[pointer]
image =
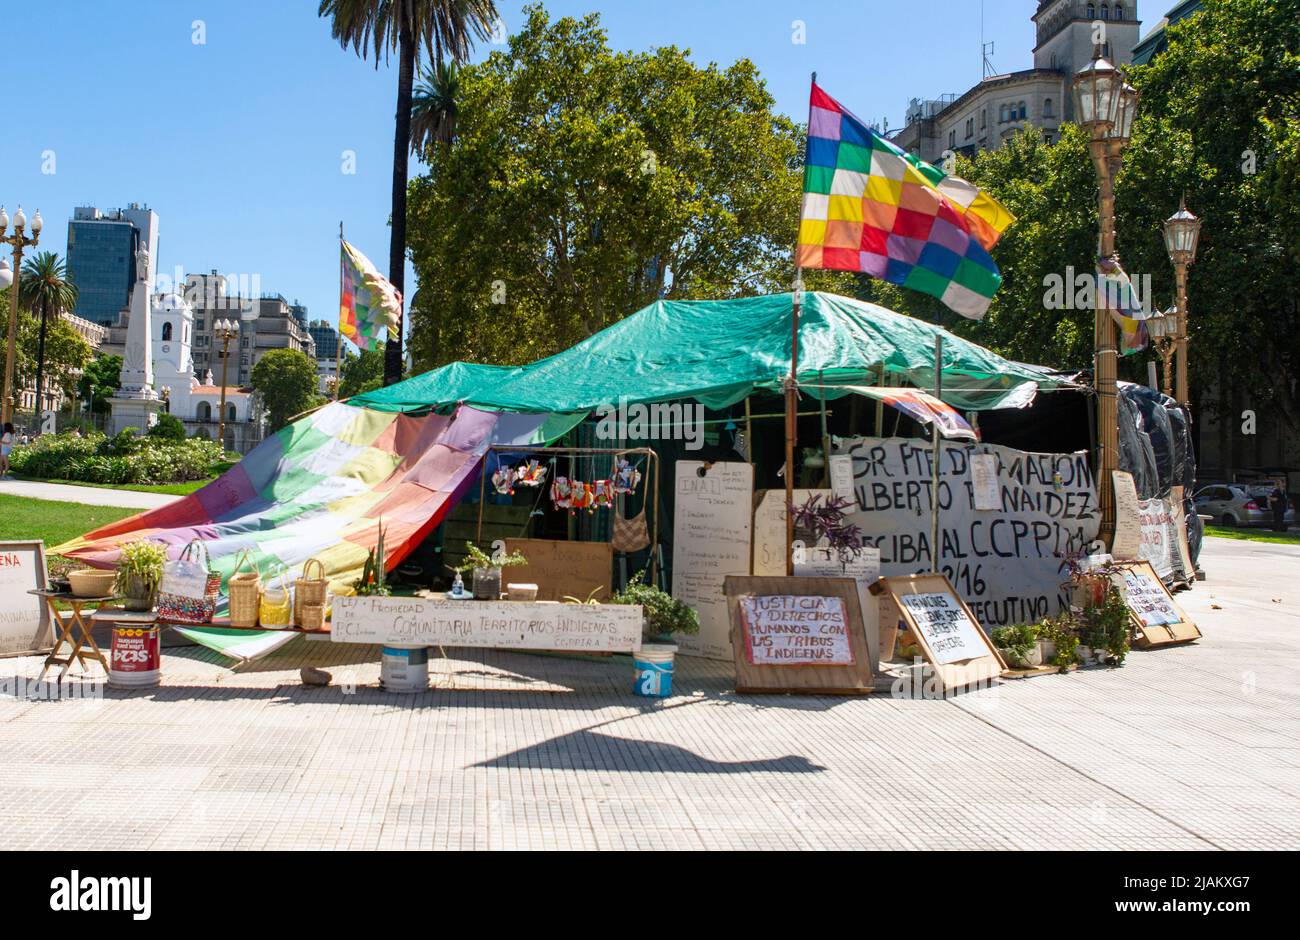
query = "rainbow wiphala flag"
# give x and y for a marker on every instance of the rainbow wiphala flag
(369, 306)
(869, 206)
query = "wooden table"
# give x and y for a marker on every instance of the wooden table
(74, 631)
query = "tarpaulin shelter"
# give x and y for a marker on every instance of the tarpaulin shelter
(320, 487)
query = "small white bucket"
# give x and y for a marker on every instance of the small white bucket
(653, 668)
(404, 668)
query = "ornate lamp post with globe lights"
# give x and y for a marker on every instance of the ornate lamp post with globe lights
(1182, 233)
(1104, 106)
(1163, 329)
(226, 330)
(9, 278)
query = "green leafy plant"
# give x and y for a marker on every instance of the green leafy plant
(140, 568)
(1017, 640)
(1106, 626)
(1060, 632)
(124, 458)
(664, 614)
(374, 576)
(168, 428)
(591, 598)
(475, 557)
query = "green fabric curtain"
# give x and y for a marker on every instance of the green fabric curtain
(718, 351)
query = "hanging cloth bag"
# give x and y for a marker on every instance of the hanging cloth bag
(184, 596)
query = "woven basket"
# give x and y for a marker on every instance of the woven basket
(245, 592)
(276, 609)
(92, 582)
(309, 590)
(312, 617)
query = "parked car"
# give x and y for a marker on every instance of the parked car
(1236, 504)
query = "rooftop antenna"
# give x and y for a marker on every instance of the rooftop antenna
(986, 48)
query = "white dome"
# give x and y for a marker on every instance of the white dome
(170, 302)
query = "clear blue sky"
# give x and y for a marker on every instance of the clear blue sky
(237, 143)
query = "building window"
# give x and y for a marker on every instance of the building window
(1092, 12)
(1119, 11)
(1047, 107)
(1023, 111)
(230, 413)
(1105, 12)
(984, 118)
(1002, 114)
(952, 138)
(970, 128)
(205, 411)
(167, 332)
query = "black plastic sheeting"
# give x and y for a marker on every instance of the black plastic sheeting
(1155, 445)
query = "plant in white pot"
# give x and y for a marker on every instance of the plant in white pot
(139, 574)
(487, 570)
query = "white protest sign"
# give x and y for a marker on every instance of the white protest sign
(24, 618)
(1008, 565)
(711, 529)
(948, 632)
(842, 476)
(1157, 535)
(421, 621)
(984, 482)
(1127, 542)
(785, 630)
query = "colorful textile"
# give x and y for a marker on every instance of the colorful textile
(369, 306)
(243, 645)
(923, 407)
(321, 487)
(1115, 293)
(869, 206)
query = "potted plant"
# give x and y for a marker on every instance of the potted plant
(487, 570)
(1018, 645)
(139, 574)
(374, 576)
(816, 520)
(1107, 627)
(664, 615)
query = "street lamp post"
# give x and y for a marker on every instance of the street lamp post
(19, 241)
(226, 330)
(1163, 330)
(1182, 232)
(1105, 107)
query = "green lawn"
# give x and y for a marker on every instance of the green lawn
(1253, 535)
(53, 522)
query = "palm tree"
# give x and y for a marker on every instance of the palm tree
(444, 29)
(45, 289)
(435, 107)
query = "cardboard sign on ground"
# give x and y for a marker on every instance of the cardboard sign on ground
(24, 618)
(799, 635)
(562, 569)
(1158, 619)
(948, 634)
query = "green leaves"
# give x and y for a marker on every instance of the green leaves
(286, 380)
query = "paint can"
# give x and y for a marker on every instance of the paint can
(404, 668)
(134, 661)
(652, 666)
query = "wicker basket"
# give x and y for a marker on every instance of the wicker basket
(245, 592)
(92, 582)
(309, 590)
(312, 617)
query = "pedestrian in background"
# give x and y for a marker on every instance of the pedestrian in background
(1277, 501)
(6, 445)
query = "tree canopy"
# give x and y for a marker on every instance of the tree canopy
(286, 381)
(583, 184)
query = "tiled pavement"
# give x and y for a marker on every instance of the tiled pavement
(1189, 748)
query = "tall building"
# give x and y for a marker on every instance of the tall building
(1000, 106)
(101, 257)
(327, 354)
(1157, 41)
(266, 322)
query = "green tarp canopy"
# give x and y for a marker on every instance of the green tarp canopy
(719, 351)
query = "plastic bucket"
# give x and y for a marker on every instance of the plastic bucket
(653, 668)
(404, 668)
(134, 661)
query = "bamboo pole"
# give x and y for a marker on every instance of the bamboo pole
(938, 451)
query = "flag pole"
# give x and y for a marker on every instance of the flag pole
(791, 387)
(938, 450)
(338, 351)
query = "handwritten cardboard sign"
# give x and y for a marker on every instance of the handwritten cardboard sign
(421, 621)
(711, 528)
(785, 630)
(24, 618)
(1158, 619)
(948, 631)
(1128, 523)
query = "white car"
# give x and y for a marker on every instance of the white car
(1235, 504)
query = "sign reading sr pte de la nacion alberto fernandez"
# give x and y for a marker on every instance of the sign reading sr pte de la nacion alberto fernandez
(420, 621)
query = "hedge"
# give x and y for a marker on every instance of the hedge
(124, 458)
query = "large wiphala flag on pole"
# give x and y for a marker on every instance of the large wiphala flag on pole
(870, 206)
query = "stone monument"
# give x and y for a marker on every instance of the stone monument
(136, 404)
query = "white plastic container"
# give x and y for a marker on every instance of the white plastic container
(404, 668)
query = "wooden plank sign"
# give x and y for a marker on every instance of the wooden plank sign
(422, 621)
(949, 636)
(563, 569)
(799, 635)
(24, 618)
(1158, 620)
